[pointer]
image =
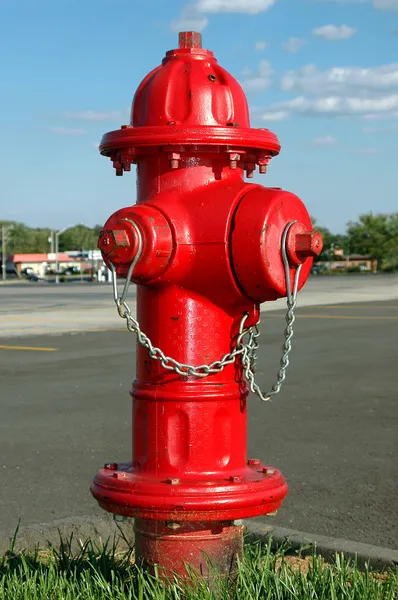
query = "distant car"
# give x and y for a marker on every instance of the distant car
(31, 275)
(70, 271)
(316, 269)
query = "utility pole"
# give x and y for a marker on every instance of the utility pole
(57, 234)
(5, 236)
(51, 241)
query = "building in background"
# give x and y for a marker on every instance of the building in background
(41, 264)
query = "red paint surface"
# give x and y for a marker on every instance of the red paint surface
(209, 547)
(211, 252)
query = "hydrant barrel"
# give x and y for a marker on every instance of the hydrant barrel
(203, 247)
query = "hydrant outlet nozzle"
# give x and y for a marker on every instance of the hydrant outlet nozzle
(133, 230)
(302, 244)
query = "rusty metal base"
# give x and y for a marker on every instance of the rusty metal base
(166, 548)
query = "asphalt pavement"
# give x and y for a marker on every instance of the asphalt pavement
(65, 410)
(40, 308)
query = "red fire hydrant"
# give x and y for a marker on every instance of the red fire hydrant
(205, 248)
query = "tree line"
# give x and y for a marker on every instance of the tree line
(375, 235)
(24, 239)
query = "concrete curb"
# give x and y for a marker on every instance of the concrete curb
(77, 530)
(376, 557)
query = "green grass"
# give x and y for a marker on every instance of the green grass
(96, 573)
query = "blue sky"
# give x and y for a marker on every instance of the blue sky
(321, 74)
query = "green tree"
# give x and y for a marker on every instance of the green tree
(78, 237)
(25, 239)
(375, 235)
(331, 242)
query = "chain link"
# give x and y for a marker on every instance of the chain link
(246, 350)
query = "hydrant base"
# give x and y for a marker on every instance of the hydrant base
(205, 548)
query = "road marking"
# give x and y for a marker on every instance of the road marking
(364, 305)
(39, 332)
(28, 348)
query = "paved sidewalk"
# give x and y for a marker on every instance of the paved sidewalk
(42, 309)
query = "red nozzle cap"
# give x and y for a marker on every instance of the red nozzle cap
(189, 39)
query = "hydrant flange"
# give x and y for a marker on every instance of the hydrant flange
(253, 491)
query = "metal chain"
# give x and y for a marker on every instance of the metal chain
(249, 355)
(247, 350)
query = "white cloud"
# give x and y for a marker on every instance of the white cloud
(342, 1)
(261, 80)
(246, 72)
(260, 46)
(66, 131)
(380, 129)
(293, 44)
(327, 140)
(189, 20)
(277, 115)
(386, 4)
(378, 4)
(334, 32)
(341, 80)
(335, 106)
(93, 115)
(368, 151)
(250, 7)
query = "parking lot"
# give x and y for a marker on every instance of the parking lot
(65, 410)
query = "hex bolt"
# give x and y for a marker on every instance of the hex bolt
(233, 160)
(173, 525)
(263, 164)
(308, 244)
(268, 471)
(118, 167)
(126, 162)
(236, 479)
(174, 159)
(173, 480)
(120, 475)
(189, 39)
(111, 466)
(121, 238)
(250, 168)
(119, 518)
(253, 462)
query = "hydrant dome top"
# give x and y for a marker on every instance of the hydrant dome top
(189, 99)
(189, 89)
